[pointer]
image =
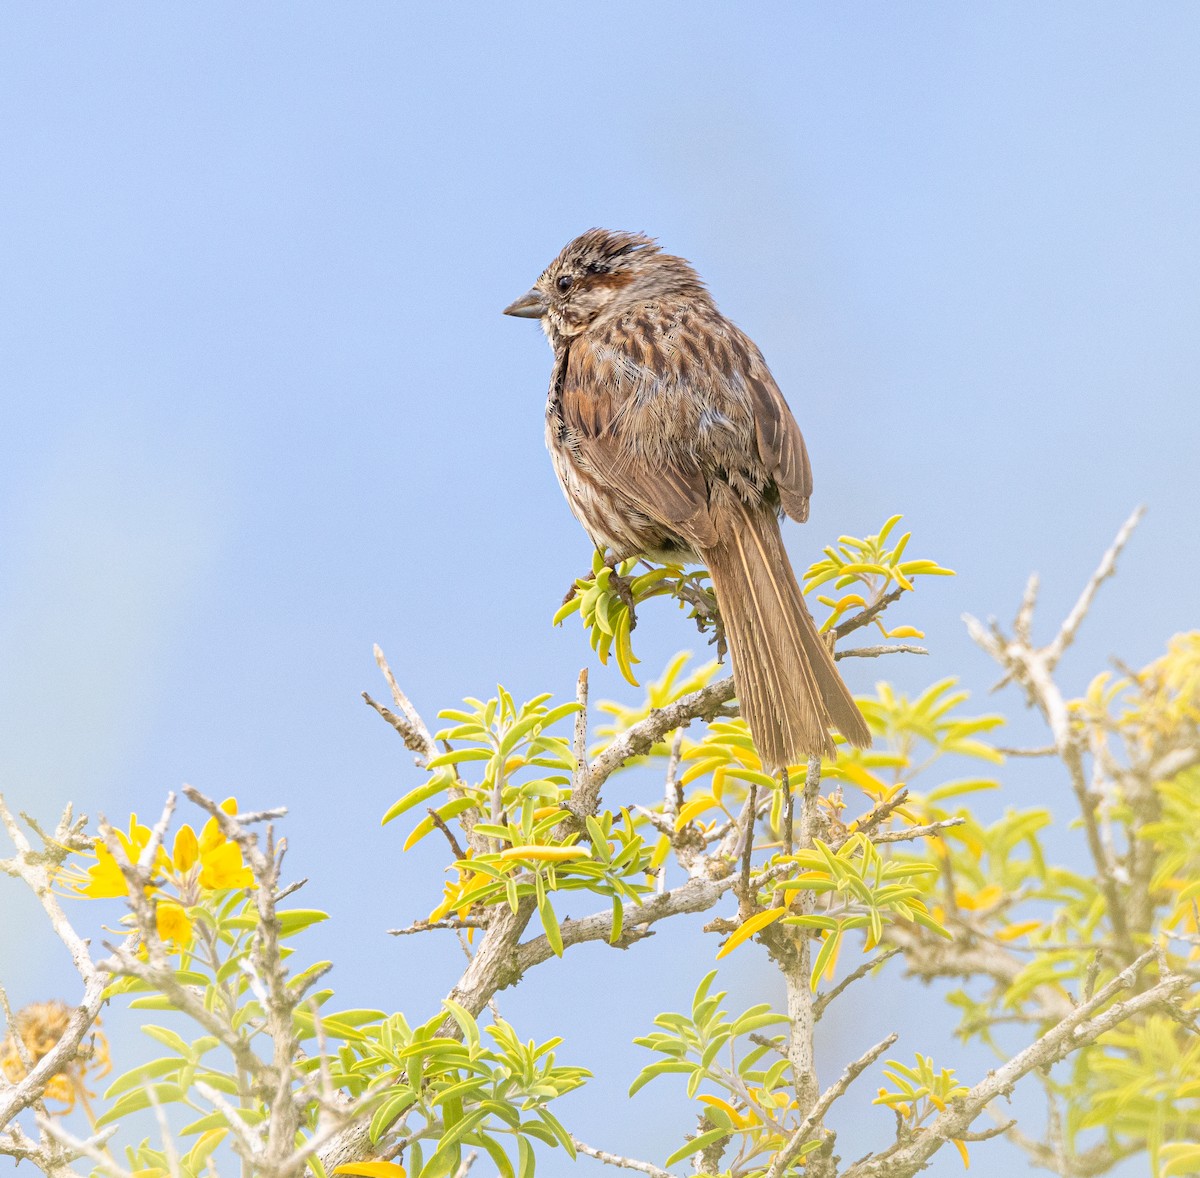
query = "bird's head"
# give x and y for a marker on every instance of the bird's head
(602, 272)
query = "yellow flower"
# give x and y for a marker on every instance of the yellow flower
(173, 923)
(209, 861)
(222, 867)
(211, 835)
(105, 879)
(187, 850)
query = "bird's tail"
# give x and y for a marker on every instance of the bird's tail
(787, 683)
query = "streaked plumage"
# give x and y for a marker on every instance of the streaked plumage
(672, 441)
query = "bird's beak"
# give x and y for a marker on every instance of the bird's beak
(528, 306)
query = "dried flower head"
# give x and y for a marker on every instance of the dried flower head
(39, 1027)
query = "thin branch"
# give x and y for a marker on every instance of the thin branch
(1106, 568)
(878, 814)
(1033, 668)
(641, 737)
(585, 789)
(425, 926)
(867, 616)
(803, 1133)
(873, 652)
(823, 1000)
(440, 823)
(613, 1159)
(36, 870)
(916, 832)
(749, 816)
(1081, 1027)
(92, 1148)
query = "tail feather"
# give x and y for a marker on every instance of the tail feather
(789, 689)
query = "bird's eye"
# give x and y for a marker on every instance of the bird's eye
(566, 282)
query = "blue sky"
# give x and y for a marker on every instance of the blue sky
(261, 409)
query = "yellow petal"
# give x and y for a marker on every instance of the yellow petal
(172, 923)
(222, 867)
(105, 880)
(372, 1169)
(759, 920)
(549, 854)
(211, 835)
(187, 849)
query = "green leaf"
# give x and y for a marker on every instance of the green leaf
(466, 1023)
(525, 1158)
(169, 1038)
(618, 919)
(392, 1106)
(660, 1068)
(153, 1070)
(448, 1146)
(422, 793)
(450, 810)
(828, 949)
(550, 924)
(695, 1146)
(755, 1019)
(139, 1099)
(296, 919)
(498, 1156)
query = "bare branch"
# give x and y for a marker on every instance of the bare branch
(641, 737)
(810, 1125)
(1033, 668)
(585, 789)
(425, 926)
(37, 872)
(613, 1159)
(697, 895)
(916, 832)
(823, 1000)
(1106, 568)
(873, 652)
(1082, 1026)
(407, 720)
(867, 616)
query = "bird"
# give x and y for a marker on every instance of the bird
(673, 443)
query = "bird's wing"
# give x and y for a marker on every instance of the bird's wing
(600, 418)
(780, 442)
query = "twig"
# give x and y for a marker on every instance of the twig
(803, 1133)
(789, 810)
(585, 788)
(1106, 568)
(92, 1148)
(641, 737)
(916, 832)
(1082, 1026)
(823, 1000)
(440, 823)
(613, 1159)
(867, 616)
(873, 652)
(421, 738)
(1032, 668)
(878, 814)
(425, 926)
(749, 814)
(35, 870)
